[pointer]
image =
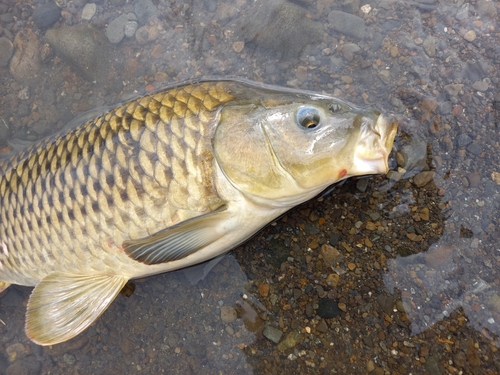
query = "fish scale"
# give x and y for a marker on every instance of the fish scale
(102, 180)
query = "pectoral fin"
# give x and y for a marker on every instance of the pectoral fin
(178, 241)
(63, 305)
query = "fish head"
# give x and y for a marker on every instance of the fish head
(289, 149)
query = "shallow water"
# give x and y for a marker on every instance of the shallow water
(393, 274)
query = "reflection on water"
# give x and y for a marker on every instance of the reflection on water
(396, 274)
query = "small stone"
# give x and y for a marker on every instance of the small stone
(89, 11)
(414, 237)
(7, 49)
(370, 366)
(131, 28)
(227, 314)
(475, 149)
(424, 214)
(470, 36)
(238, 46)
(342, 306)
(495, 176)
(116, 29)
(292, 339)
(454, 88)
(330, 255)
(385, 75)
(430, 45)
(486, 9)
(264, 290)
(24, 94)
(463, 140)
(474, 179)
(301, 73)
(463, 12)
(480, 85)
(126, 345)
(351, 266)
(26, 62)
(144, 9)
(273, 334)
(423, 178)
(346, 79)
(394, 51)
(386, 303)
(347, 24)
(472, 354)
(322, 326)
(144, 35)
(161, 77)
(332, 279)
(362, 184)
(46, 15)
(327, 308)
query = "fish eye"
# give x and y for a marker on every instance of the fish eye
(308, 117)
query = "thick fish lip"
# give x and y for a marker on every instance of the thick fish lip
(374, 160)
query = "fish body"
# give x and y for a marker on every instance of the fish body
(166, 181)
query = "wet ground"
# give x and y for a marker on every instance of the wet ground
(396, 274)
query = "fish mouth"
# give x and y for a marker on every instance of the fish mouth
(373, 158)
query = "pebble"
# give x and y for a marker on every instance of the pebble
(131, 28)
(423, 178)
(474, 148)
(347, 24)
(327, 308)
(89, 11)
(454, 88)
(238, 46)
(292, 339)
(273, 334)
(463, 12)
(144, 9)
(15, 352)
(430, 45)
(26, 62)
(480, 85)
(7, 49)
(385, 76)
(46, 15)
(116, 29)
(227, 314)
(330, 255)
(424, 214)
(463, 140)
(333, 279)
(322, 326)
(470, 36)
(495, 176)
(264, 290)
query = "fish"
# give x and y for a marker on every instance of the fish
(165, 181)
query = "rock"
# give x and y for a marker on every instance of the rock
(327, 308)
(227, 314)
(463, 12)
(475, 149)
(116, 29)
(280, 28)
(470, 36)
(463, 140)
(439, 256)
(89, 11)
(430, 45)
(454, 88)
(83, 47)
(386, 303)
(7, 49)
(486, 9)
(273, 334)
(131, 28)
(322, 326)
(424, 214)
(292, 339)
(423, 178)
(46, 15)
(480, 85)
(385, 75)
(347, 24)
(330, 255)
(144, 9)
(25, 64)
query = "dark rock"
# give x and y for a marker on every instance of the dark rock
(46, 15)
(347, 24)
(328, 308)
(386, 303)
